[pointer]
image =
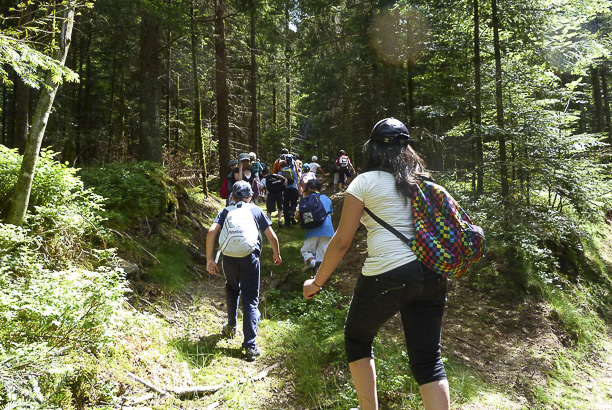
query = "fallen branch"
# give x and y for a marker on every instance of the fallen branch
(141, 399)
(466, 342)
(262, 375)
(183, 392)
(148, 384)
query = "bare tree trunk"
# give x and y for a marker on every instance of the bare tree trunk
(4, 112)
(253, 82)
(197, 112)
(150, 89)
(274, 122)
(499, 104)
(478, 103)
(168, 85)
(22, 113)
(606, 101)
(599, 112)
(221, 84)
(23, 188)
(22, 96)
(287, 79)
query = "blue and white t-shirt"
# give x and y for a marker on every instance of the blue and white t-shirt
(326, 228)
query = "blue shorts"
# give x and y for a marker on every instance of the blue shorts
(419, 294)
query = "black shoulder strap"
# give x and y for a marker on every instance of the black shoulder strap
(391, 229)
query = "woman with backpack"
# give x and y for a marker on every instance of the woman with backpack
(392, 279)
(292, 194)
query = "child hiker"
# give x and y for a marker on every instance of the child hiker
(314, 214)
(240, 243)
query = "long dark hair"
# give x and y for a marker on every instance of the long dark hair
(401, 160)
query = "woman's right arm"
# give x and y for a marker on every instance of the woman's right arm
(339, 244)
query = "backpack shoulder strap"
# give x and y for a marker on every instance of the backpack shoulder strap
(388, 227)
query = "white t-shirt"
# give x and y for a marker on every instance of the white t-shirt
(313, 167)
(376, 189)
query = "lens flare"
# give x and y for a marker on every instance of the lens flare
(399, 35)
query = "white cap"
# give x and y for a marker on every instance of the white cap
(314, 158)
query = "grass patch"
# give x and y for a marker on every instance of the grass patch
(172, 271)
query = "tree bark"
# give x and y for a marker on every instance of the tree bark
(22, 114)
(4, 111)
(478, 103)
(22, 96)
(150, 89)
(221, 85)
(597, 100)
(23, 187)
(197, 111)
(606, 101)
(253, 81)
(499, 104)
(287, 79)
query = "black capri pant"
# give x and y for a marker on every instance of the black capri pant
(419, 294)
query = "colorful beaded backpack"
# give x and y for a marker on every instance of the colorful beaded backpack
(446, 240)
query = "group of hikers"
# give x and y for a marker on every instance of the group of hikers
(392, 280)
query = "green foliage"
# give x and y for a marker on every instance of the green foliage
(133, 191)
(27, 61)
(270, 145)
(316, 342)
(61, 211)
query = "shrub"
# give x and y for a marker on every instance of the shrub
(132, 191)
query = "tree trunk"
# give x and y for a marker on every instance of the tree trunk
(22, 97)
(168, 85)
(274, 122)
(478, 103)
(23, 187)
(150, 89)
(499, 103)
(253, 82)
(197, 111)
(22, 113)
(599, 112)
(606, 101)
(4, 112)
(221, 85)
(287, 79)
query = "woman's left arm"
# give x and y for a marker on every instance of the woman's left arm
(339, 244)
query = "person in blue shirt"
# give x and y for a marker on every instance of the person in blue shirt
(242, 274)
(317, 239)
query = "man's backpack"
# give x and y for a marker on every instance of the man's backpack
(274, 184)
(446, 240)
(224, 190)
(312, 211)
(287, 172)
(239, 236)
(343, 162)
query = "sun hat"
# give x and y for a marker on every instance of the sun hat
(244, 156)
(241, 190)
(306, 167)
(314, 158)
(232, 162)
